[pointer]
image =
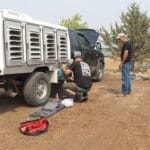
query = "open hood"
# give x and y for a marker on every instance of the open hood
(91, 35)
(74, 40)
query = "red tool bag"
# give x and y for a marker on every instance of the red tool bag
(34, 127)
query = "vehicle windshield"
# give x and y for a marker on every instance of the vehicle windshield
(83, 42)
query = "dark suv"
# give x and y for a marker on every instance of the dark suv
(84, 42)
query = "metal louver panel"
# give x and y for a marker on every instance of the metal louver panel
(62, 41)
(13, 43)
(50, 52)
(33, 44)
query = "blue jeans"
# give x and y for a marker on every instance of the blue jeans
(126, 79)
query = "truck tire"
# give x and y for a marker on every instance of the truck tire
(37, 89)
(99, 71)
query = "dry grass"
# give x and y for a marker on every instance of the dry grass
(111, 65)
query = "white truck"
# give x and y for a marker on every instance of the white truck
(30, 52)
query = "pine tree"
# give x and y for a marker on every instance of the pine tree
(137, 26)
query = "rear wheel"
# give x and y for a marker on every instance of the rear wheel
(99, 71)
(37, 89)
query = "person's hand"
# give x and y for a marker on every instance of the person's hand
(70, 79)
(120, 66)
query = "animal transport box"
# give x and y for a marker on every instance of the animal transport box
(30, 53)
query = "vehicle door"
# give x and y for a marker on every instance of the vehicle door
(13, 41)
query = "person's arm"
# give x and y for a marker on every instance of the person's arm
(66, 70)
(124, 58)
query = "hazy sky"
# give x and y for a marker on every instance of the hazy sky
(95, 12)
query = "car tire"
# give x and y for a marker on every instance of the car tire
(37, 89)
(99, 71)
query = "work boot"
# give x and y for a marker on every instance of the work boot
(79, 97)
(85, 95)
(122, 95)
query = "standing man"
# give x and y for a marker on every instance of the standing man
(125, 64)
(81, 81)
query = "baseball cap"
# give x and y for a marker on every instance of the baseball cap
(78, 58)
(120, 35)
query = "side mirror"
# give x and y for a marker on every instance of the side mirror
(98, 46)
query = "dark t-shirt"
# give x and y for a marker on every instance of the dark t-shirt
(82, 74)
(127, 46)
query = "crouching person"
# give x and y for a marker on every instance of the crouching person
(81, 82)
(57, 88)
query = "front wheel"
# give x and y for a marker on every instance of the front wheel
(99, 71)
(37, 89)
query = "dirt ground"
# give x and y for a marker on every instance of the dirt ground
(105, 122)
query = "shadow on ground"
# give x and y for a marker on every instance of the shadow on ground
(113, 91)
(10, 104)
